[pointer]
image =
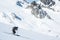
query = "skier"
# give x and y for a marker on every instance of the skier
(14, 30)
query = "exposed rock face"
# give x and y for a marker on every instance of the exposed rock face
(48, 2)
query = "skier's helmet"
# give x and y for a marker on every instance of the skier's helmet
(15, 28)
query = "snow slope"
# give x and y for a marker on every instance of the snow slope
(30, 22)
(26, 35)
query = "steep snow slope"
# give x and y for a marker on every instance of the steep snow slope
(29, 21)
(26, 35)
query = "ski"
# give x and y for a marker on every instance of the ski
(17, 35)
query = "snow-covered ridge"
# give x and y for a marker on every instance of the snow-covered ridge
(30, 22)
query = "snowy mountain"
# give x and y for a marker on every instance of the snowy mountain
(14, 12)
